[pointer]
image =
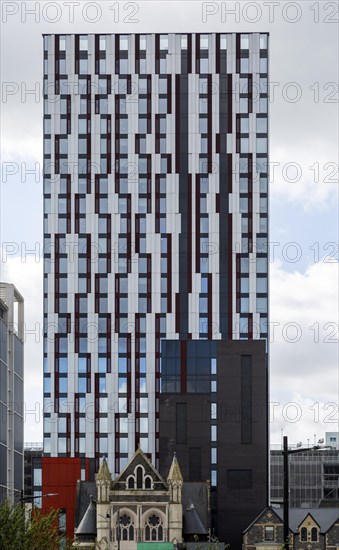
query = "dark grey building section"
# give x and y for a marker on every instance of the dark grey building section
(32, 469)
(222, 435)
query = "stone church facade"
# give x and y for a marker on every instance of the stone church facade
(138, 506)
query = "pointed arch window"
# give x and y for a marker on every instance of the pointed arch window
(125, 528)
(154, 529)
(130, 482)
(303, 534)
(314, 534)
(139, 476)
(148, 482)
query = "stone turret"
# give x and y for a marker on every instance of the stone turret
(175, 483)
(103, 481)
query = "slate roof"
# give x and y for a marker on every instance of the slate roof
(88, 523)
(324, 517)
(192, 522)
(84, 491)
(197, 492)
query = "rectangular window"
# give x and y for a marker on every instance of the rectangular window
(269, 533)
(195, 463)
(246, 399)
(181, 423)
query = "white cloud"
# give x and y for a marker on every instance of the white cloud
(304, 351)
(306, 174)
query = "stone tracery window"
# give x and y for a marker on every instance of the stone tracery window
(154, 530)
(126, 528)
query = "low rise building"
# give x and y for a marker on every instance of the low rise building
(310, 529)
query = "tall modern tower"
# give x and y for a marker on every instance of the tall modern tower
(156, 227)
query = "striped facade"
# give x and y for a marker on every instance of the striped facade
(155, 224)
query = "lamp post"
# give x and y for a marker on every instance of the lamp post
(286, 452)
(24, 498)
(118, 530)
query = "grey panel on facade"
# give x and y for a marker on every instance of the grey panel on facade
(19, 357)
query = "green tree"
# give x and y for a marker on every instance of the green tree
(38, 531)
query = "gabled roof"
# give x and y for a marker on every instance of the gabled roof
(139, 458)
(323, 517)
(275, 511)
(88, 523)
(192, 522)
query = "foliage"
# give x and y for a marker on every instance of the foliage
(38, 531)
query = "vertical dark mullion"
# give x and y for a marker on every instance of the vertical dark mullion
(57, 64)
(109, 342)
(177, 123)
(217, 53)
(197, 53)
(129, 233)
(97, 53)
(169, 273)
(157, 53)
(129, 374)
(137, 233)
(230, 103)
(237, 282)
(149, 283)
(137, 53)
(76, 53)
(209, 124)
(237, 52)
(250, 93)
(69, 205)
(189, 233)
(96, 417)
(197, 223)
(209, 305)
(250, 202)
(109, 145)
(169, 94)
(57, 154)
(189, 53)
(109, 242)
(230, 275)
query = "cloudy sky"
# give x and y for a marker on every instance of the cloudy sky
(304, 181)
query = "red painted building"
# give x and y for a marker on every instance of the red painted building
(60, 475)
